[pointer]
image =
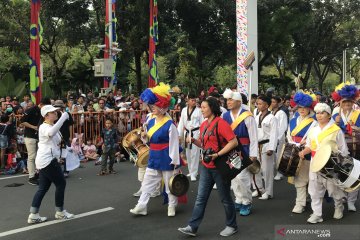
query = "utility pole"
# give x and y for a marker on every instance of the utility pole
(344, 67)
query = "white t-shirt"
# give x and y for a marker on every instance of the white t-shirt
(49, 142)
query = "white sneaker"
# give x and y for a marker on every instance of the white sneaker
(338, 214)
(265, 196)
(351, 207)
(138, 193)
(63, 215)
(155, 194)
(193, 179)
(171, 211)
(188, 175)
(139, 210)
(278, 176)
(314, 219)
(255, 193)
(298, 209)
(35, 218)
(215, 187)
(228, 231)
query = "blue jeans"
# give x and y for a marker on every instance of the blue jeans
(52, 173)
(207, 179)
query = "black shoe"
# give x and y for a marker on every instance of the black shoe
(33, 181)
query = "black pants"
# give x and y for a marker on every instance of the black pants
(50, 174)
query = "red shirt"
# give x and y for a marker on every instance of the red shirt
(210, 140)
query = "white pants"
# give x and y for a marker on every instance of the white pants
(353, 196)
(301, 181)
(267, 172)
(141, 173)
(241, 186)
(31, 148)
(317, 187)
(279, 148)
(193, 159)
(152, 178)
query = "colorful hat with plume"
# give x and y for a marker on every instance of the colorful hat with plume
(305, 99)
(345, 91)
(158, 95)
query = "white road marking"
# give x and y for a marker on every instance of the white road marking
(17, 176)
(34, 226)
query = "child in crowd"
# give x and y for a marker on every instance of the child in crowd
(90, 151)
(15, 163)
(98, 143)
(109, 136)
(5, 135)
(76, 146)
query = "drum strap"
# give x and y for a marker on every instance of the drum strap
(307, 132)
(301, 126)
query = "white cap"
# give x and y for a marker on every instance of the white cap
(46, 109)
(228, 93)
(322, 107)
(236, 96)
(83, 95)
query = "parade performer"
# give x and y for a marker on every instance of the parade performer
(189, 126)
(163, 157)
(47, 161)
(268, 137)
(141, 170)
(326, 132)
(347, 117)
(214, 131)
(297, 133)
(283, 122)
(243, 125)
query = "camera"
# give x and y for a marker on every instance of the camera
(206, 155)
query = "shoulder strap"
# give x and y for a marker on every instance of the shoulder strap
(4, 129)
(240, 118)
(217, 136)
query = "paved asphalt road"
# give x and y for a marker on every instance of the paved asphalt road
(87, 192)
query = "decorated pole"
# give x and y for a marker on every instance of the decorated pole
(114, 44)
(246, 34)
(34, 61)
(108, 27)
(153, 41)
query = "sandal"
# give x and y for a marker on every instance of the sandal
(101, 173)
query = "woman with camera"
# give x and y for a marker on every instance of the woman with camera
(47, 161)
(213, 130)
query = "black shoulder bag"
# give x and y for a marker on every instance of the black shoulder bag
(232, 163)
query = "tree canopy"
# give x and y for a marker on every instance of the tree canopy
(197, 45)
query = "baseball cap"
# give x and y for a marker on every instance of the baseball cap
(46, 109)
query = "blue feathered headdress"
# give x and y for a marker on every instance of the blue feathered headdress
(302, 99)
(158, 95)
(148, 96)
(348, 92)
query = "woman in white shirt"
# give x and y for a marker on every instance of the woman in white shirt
(47, 162)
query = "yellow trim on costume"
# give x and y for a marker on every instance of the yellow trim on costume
(240, 118)
(300, 126)
(354, 116)
(157, 126)
(327, 132)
